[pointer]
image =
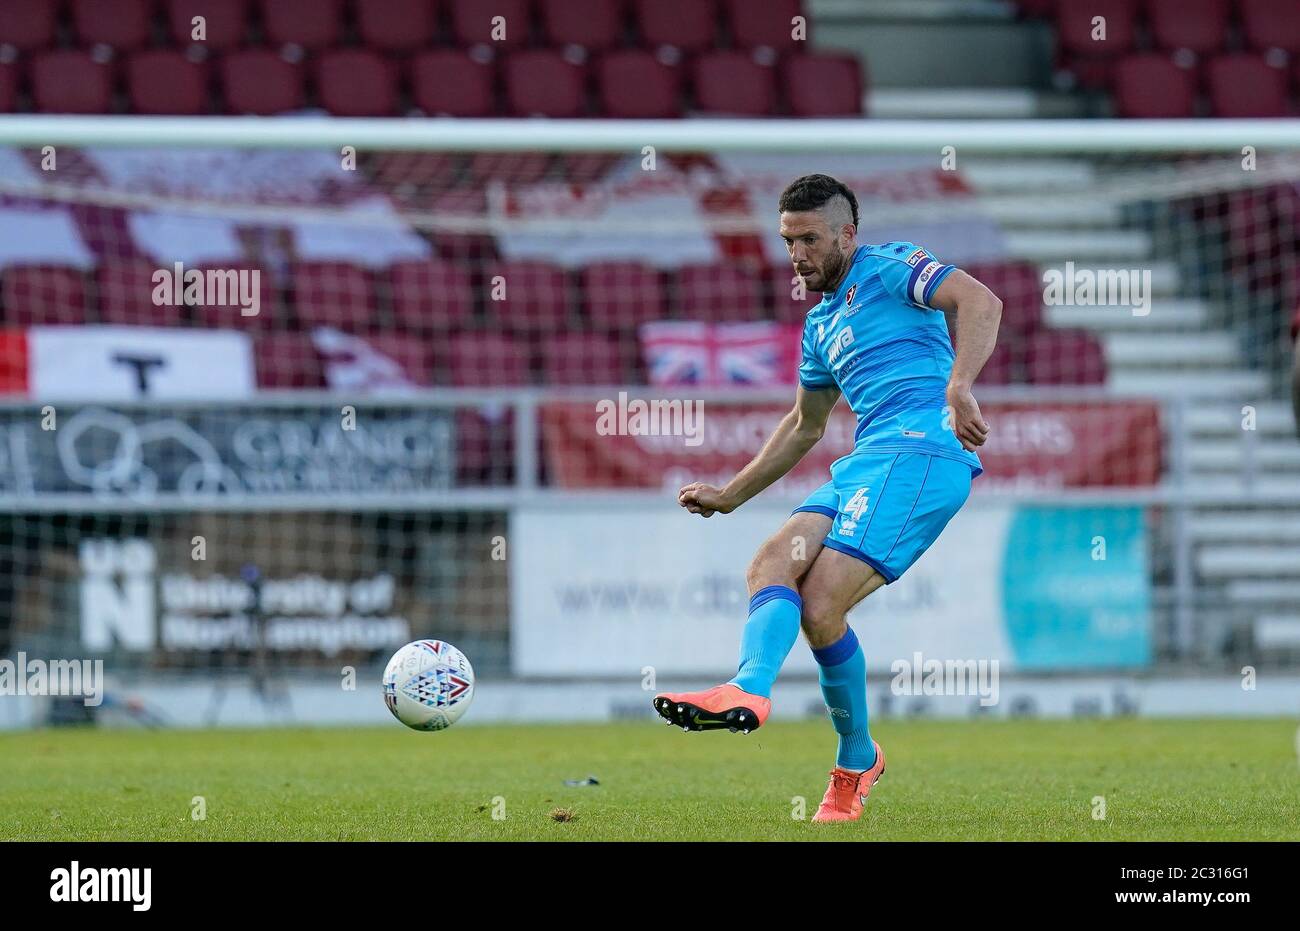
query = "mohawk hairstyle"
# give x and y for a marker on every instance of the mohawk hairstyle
(812, 192)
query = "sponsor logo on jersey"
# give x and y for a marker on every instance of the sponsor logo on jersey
(839, 343)
(923, 279)
(917, 257)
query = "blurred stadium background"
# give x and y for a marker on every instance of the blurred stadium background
(551, 202)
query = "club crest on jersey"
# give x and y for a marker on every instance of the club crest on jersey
(848, 297)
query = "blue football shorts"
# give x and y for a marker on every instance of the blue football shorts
(889, 507)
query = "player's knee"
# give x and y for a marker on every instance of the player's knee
(822, 620)
(768, 567)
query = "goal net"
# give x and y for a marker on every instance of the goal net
(278, 400)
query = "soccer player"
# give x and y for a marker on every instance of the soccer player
(878, 337)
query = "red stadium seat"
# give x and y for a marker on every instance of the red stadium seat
(310, 24)
(585, 359)
(70, 81)
(261, 83)
(356, 82)
(448, 82)
(412, 351)
(767, 24)
(509, 167)
(462, 202)
(723, 292)
(336, 294)
(433, 295)
(287, 361)
(229, 315)
(1065, 357)
(622, 295)
(396, 25)
(823, 85)
(1004, 365)
(1019, 287)
(537, 298)
(1149, 85)
(634, 84)
(1199, 26)
(472, 22)
(35, 295)
(225, 23)
(125, 295)
(1268, 24)
(1245, 87)
(162, 82)
(28, 25)
(690, 25)
(588, 167)
(544, 83)
(484, 360)
(733, 83)
(782, 282)
(8, 87)
(122, 24)
(592, 24)
(1074, 27)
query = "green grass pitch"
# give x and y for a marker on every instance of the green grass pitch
(946, 780)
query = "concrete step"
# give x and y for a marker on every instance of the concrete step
(1277, 631)
(1249, 527)
(1241, 561)
(1121, 248)
(1272, 419)
(1277, 489)
(1206, 384)
(1233, 455)
(1264, 591)
(1213, 349)
(1020, 212)
(1188, 314)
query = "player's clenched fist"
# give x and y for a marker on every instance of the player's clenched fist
(699, 498)
(967, 421)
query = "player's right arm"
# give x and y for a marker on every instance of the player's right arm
(797, 433)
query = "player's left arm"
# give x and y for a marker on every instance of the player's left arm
(978, 313)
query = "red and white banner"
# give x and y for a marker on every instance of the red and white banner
(116, 363)
(1106, 443)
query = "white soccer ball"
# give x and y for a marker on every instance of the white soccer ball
(428, 685)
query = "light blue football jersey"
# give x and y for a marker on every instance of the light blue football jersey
(877, 338)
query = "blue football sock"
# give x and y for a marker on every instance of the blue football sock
(843, 674)
(770, 633)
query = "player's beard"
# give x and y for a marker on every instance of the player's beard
(832, 269)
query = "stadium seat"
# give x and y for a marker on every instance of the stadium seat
(28, 25)
(162, 82)
(121, 24)
(471, 22)
(70, 81)
(538, 297)
(1004, 363)
(688, 25)
(544, 83)
(462, 202)
(1245, 87)
(308, 24)
(620, 296)
(287, 361)
(733, 83)
(722, 292)
(225, 22)
(1019, 287)
(786, 309)
(1270, 24)
(124, 292)
(449, 82)
(356, 82)
(229, 316)
(396, 25)
(595, 25)
(767, 24)
(823, 85)
(1200, 26)
(634, 84)
(1149, 85)
(35, 295)
(412, 351)
(8, 87)
(1065, 357)
(261, 83)
(1074, 27)
(587, 167)
(433, 295)
(585, 359)
(485, 360)
(336, 294)
(509, 167)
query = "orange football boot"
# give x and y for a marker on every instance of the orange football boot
(848, 791)
(713, 709)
